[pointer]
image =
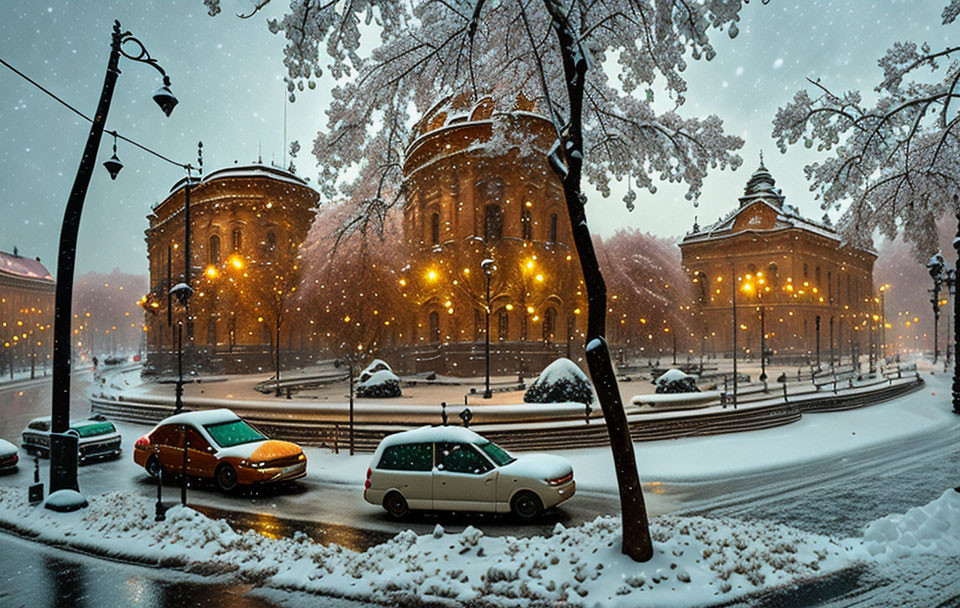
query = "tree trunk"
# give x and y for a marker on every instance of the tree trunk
(636, 541)
(956, 328)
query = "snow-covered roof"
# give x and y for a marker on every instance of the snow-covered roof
(761, 189)
(28, 268)
(202, 418)
(433, 434)
(256, 170)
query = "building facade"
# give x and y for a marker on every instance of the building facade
(247, 224)
(27, 292)
(791, 279)
(487, 230)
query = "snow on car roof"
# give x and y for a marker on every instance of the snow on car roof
(202, 417)
(433, 434)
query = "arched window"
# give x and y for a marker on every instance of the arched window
(830, 286)
(478, 325)
(526, 224)
(503, 324)
(552, 228)
(492, 223)
(213, 253)
(549, 324)
(435, 228)
(434, 326)
(816, 275)
(237, 238)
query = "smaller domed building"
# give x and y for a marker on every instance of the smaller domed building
(810, 286)
(247, 224)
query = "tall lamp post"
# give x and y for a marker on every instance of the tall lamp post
(488, 267)
(63, 446)
(733, 301)
(956, 320)
(935, 267)
(950, 278)
(883, 319)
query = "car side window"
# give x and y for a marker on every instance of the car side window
(195, 440)
(39, 425)
(166, 435)
(407, 457)
(461, 458)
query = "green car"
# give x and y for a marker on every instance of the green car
(98, 438)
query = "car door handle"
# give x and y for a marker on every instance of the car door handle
(489, 481)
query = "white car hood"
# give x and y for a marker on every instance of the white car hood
(7, 448)
(538, 466)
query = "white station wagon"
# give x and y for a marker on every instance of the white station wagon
(454, 469)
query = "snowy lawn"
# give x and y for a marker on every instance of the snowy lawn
(698, 561)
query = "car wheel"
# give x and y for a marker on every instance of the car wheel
(396, 505)
(226, 477)
(526, 506)
(153, 466)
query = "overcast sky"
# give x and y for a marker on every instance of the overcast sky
(228, 74)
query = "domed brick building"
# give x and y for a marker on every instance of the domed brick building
(479, 189)
(797, 278)
(247, 224)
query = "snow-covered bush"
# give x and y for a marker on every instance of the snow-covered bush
(675, 381)
(560, 382)
(377, 365)
(380, 384)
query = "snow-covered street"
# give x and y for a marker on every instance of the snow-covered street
(854, 469)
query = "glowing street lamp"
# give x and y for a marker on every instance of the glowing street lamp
(63, 447)
(488, 267)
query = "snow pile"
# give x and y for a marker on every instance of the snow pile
(560, 382)
(379, 385)
(375, 366)
(676, 381)
(697, 561)
(932, 529)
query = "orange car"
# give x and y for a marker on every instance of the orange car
(220, 446)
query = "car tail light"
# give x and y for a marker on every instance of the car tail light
(366, 485)
(142, 443)
(16, 458)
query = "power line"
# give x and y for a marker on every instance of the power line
(90, 120)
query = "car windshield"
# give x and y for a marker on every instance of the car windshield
(497, 454)
(93, 429)
(234, 432)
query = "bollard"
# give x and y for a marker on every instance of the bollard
(183, 470)
(587, 409)
(466, 415)
(35, 491)
(443, 412)
(288, 392)
(160, 513)
(723, 396)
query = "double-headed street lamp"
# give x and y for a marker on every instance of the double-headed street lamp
(950, 278)
(488, 267)
(63, 446)
(935, 267)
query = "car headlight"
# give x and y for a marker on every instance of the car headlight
(559, 481)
